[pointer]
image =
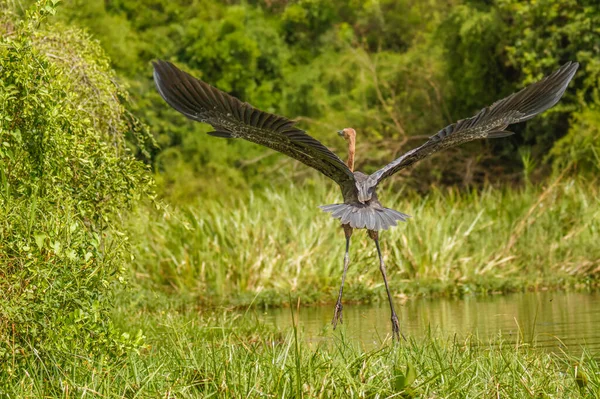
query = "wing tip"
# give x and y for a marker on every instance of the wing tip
(569, 69)
(160, 65)
(573, 65)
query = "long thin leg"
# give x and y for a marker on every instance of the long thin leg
(395, 323)
(337, 315)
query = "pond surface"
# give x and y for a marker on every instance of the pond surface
(556, 321)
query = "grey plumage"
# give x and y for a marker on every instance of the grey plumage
(370, 217)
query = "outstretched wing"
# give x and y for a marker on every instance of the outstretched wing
(490, 122)
(233, 118)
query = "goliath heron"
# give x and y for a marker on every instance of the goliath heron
(232, 118)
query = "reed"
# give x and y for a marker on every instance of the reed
(260, 247)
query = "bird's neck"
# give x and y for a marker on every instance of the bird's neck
(351, 150)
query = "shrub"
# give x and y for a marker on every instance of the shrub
(581, 146)
(66, 173)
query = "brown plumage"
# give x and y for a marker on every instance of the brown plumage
(232, 118)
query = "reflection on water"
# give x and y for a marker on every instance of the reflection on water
(552, 320)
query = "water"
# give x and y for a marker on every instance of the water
(554, 321)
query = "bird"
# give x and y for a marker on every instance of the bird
(232, 118)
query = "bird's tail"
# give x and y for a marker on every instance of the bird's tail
(360, 216)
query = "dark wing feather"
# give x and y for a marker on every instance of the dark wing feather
(490, 122)
(232, 118)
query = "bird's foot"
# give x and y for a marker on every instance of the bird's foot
(396, 328)
(337, 315)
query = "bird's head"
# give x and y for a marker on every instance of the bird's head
(348, 134)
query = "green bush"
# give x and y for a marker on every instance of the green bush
(66, 173)
(497, 47)
(581, 146)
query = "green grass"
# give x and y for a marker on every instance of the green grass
(192, 354)
(256, 249)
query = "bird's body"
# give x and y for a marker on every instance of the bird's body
(368, 214)
(361, 209)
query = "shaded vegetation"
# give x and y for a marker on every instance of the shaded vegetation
(397, 71)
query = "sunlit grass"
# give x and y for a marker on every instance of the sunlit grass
(192, 354)
(254, 249)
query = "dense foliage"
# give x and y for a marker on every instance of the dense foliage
(65, 175)
(397, 71)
